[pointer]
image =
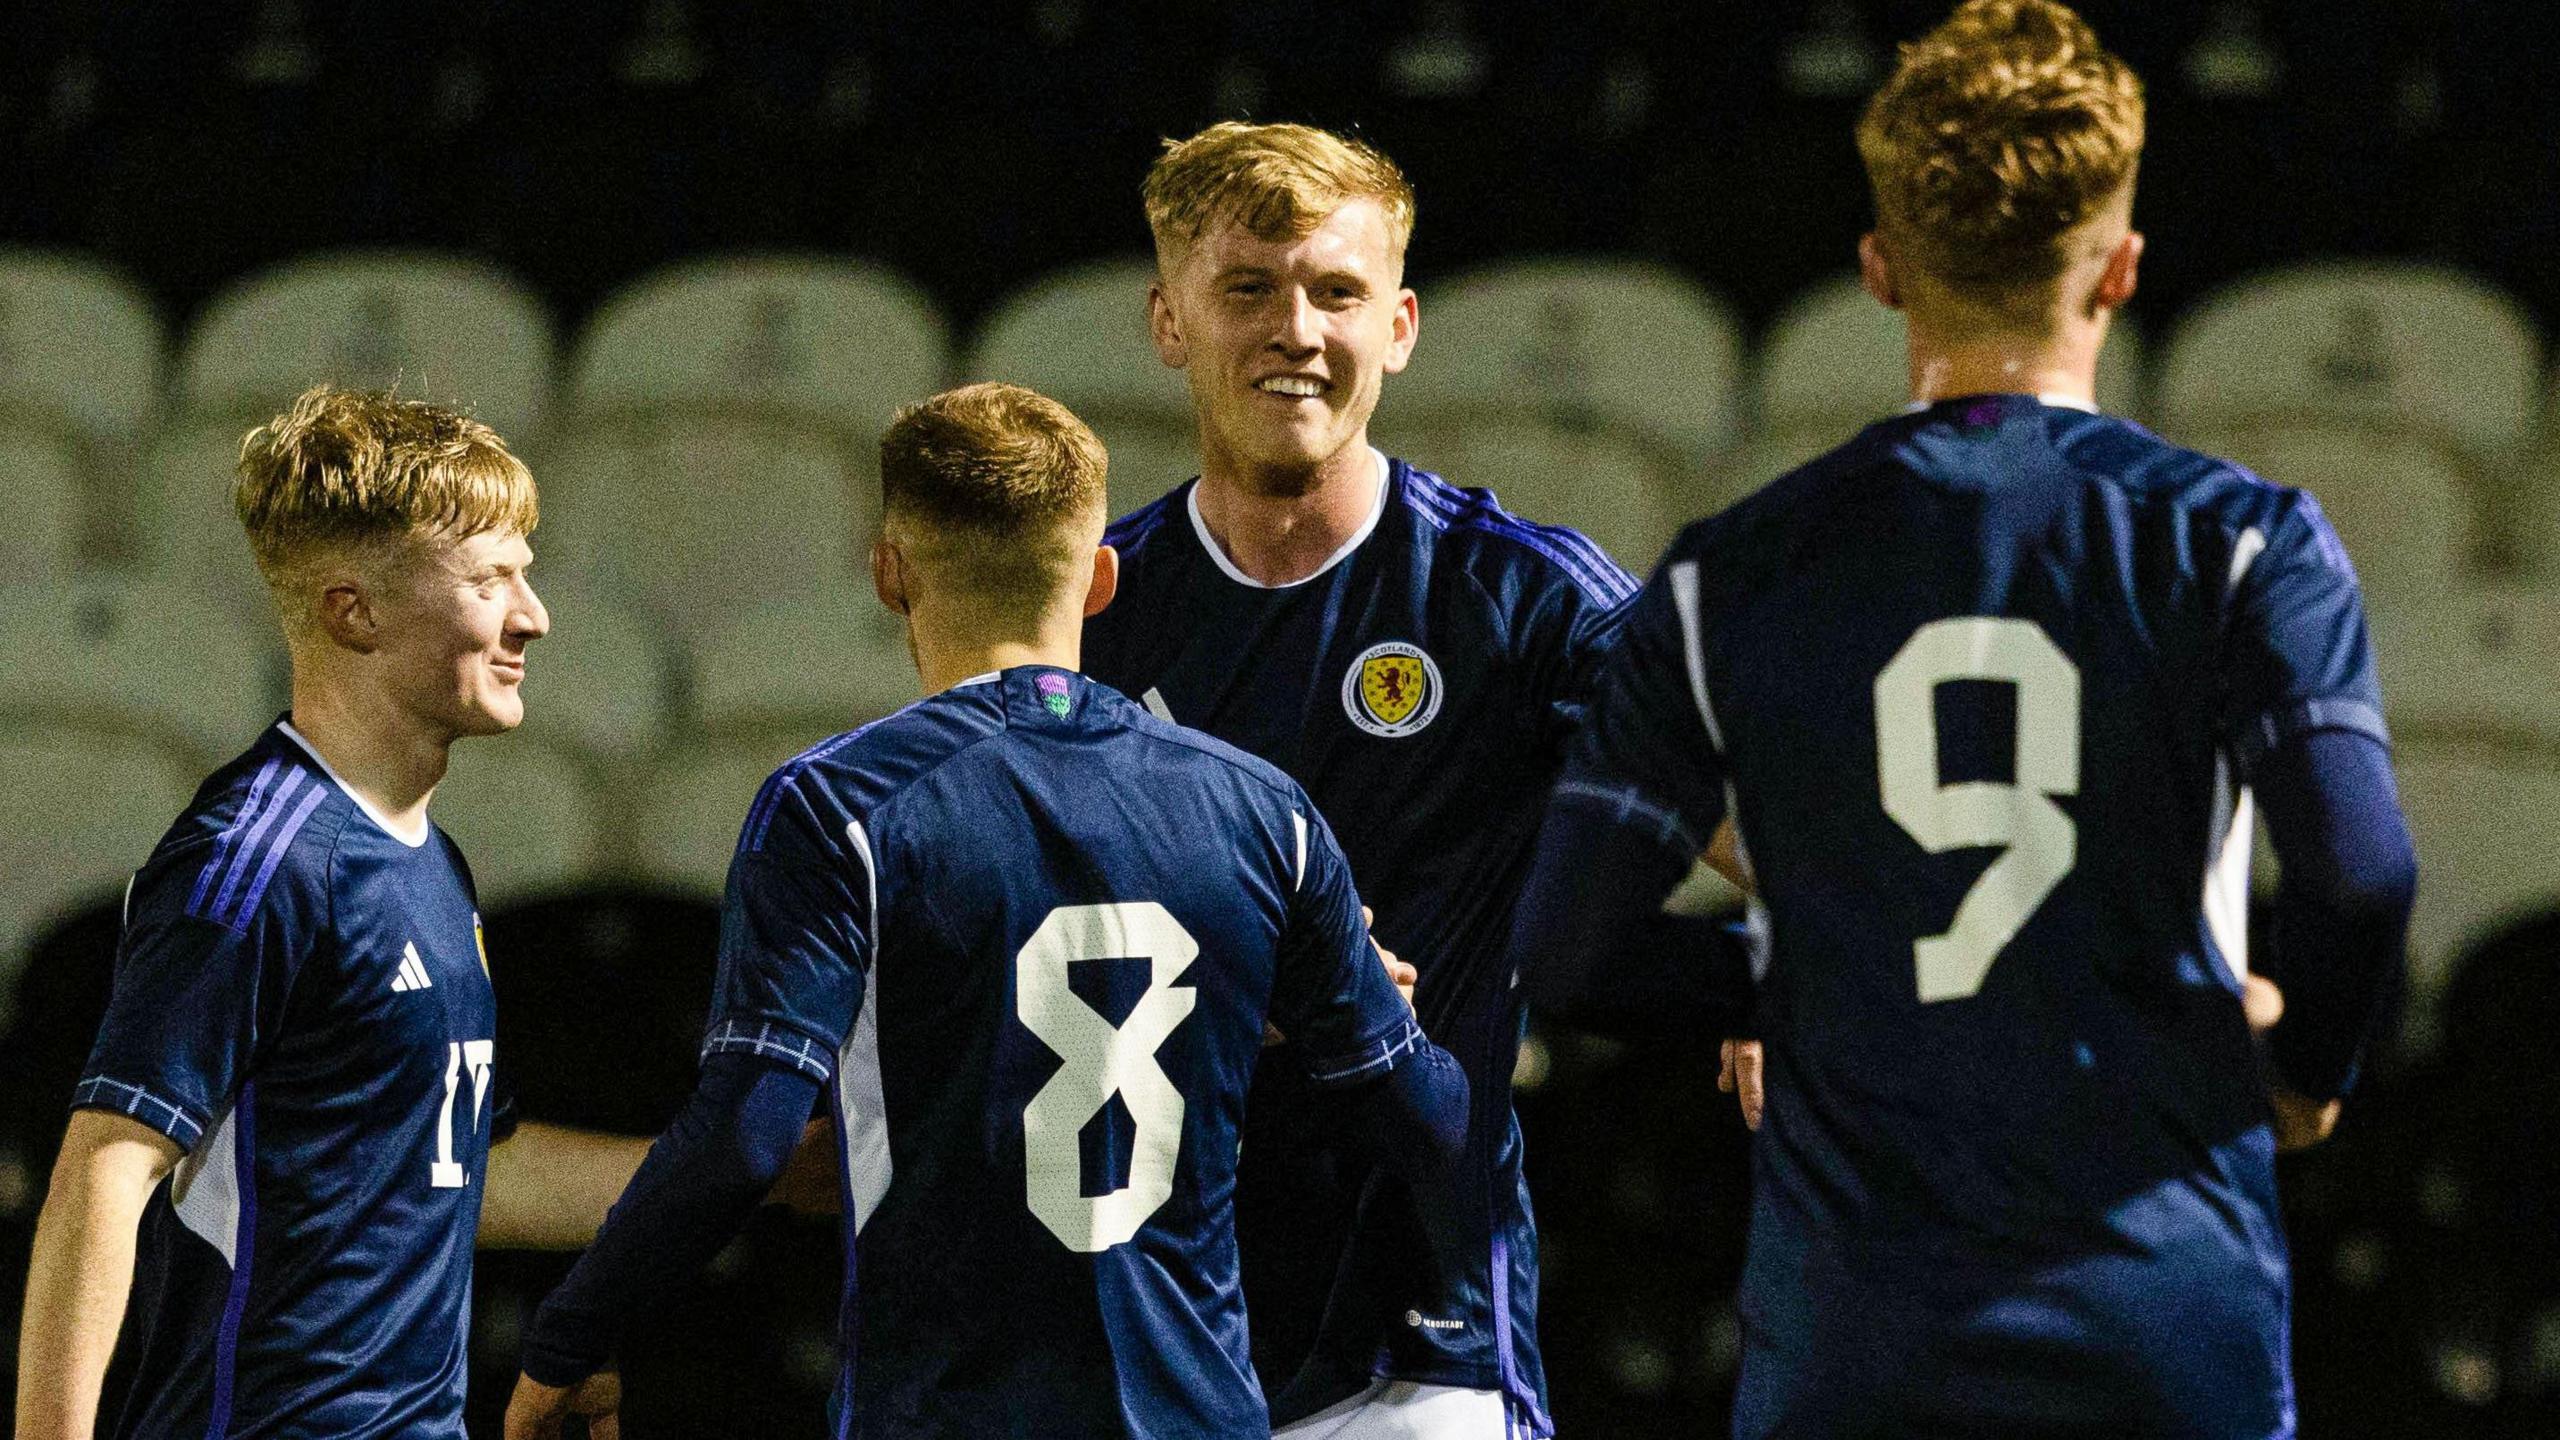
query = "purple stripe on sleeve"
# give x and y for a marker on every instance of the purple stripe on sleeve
(275, 856)
(249, 843)
(226, 1341)
(230, 837)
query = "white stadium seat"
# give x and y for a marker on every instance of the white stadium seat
(142, 658)
(685, 826)
(598, 684)
(1597, 481)
(1148, 457)
(814, 667)
(523, 815)
(2361, 344)
(1578, 344)
(1080, 337)
(827, 345)
(41, 476)
(693, 522)
(438, 327)
(84, 808)
(2405, 506)
(2478, 664)
(189, 533)
(80, 349)
(2482, 816)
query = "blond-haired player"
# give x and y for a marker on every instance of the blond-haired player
(1028, 936)
(1418, 658)
(299, 1040)
(1989, 691)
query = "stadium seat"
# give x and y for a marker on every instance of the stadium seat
(1596, 481)
(188, 535)
(41, 475)
(1580, 345)
(2407, 509)
(2362, 345)
(85, 807)
(1836, 360)
(142, 659)
(80, 349)
(438, 327)
(1149, 456)
(685, 826)
(2481, 814)
(597, 685)
(2477, 664)
(692, 522)
(825, 345)
(1080, 337)
(524, 816)
(813, 667)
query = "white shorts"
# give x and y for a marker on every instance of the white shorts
(1403, 1410)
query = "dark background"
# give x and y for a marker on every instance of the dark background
(973, 145)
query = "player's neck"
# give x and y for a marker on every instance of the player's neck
(2061, 367)
(948, 654)
(1282, 535)
(392, 764)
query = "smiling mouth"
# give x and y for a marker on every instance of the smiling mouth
(1294, 387)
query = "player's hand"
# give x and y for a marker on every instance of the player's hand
(1404, 976)
(809, 1184)
(1743, 1077)
(2262, 1002)
(542, 1412)
(2302, 1122)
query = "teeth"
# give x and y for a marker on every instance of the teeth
(1293, 385)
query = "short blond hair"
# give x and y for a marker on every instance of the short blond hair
(357, 468)
(997, 490)
(1278, 181)
(1999, 135)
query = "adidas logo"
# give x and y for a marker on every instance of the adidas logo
(413, 971)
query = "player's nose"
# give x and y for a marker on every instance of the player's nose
(530, 618)
(1301, 325)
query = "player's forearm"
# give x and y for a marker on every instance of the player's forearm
(77, 1279)
(700, 1181)
(2348, 875)
(1589, 928)
(550, 1186)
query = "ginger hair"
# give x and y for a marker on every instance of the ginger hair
(997, 491)
(1277, 181)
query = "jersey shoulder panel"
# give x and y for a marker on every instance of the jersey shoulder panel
(265, 825)
(1131, 533)
(1472, 521)
(846, 777)
(1252, 768)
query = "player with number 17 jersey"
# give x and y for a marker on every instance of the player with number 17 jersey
(1031, 934)
(301, 1004)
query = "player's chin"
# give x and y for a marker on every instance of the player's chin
(495, 711)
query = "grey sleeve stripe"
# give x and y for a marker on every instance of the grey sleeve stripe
(772, 1042)
(1375, 1058)
(1631, 807)
(104, 1092)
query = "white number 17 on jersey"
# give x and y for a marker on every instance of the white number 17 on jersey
(2039, 841)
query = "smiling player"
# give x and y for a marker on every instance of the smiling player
(302, 1022)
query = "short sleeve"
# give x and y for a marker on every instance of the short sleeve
(1329, 992)
(2297, 657)
(193, 998)
(796, 933)
(1647, 749)
(1570, 638)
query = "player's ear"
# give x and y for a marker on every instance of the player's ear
(2123, 271)
(1408, 328)
(1106, 581)
(345, 610)
(1875, 272)
(1164, 329)
(889, 576)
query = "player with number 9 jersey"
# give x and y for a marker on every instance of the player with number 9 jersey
(301, 1005)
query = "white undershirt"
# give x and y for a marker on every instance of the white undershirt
(380, 820)
(1377, 511)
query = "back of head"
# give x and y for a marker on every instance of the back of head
(2001, 141)
(995, 494)
(1277, 181)
(354, 474)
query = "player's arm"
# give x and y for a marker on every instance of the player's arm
(82, 1268)
(1402, 1101)
(549, 1186)
(2303, 711)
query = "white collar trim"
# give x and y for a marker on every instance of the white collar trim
(2056, 399)
(989, 678)
(381, 821)
(1377, 511)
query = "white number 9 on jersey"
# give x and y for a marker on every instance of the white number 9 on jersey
(2040, 843)
(1102, 1059)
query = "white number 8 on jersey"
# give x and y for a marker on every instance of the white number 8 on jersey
(1102, 1059)
(2040, 842)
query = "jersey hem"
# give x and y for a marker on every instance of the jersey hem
(1375, 1056)
(774, 1041)
(139, 1103)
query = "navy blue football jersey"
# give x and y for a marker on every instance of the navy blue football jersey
(301, 1003)
(1981, 690)
(1030, 935)
(1423, 687)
